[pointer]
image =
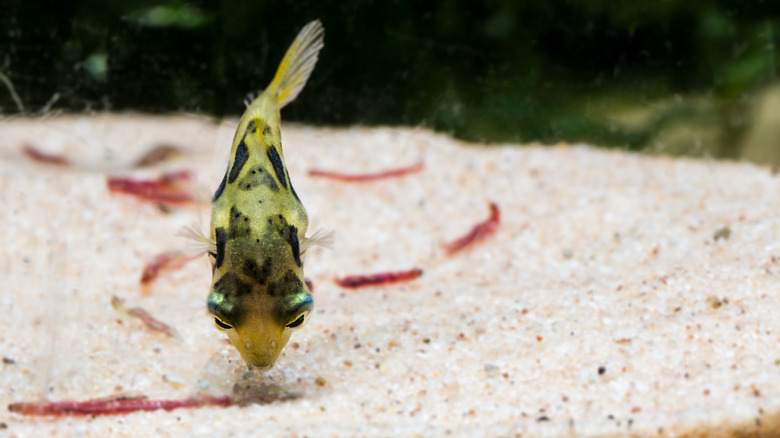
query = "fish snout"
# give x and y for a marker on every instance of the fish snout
(261, 366)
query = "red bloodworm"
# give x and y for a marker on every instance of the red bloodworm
(477, 233)
(367, 176)
(356, 281)
(145, 317)
(37, 155)
(167, 260)
(114, 406)
(164, 189)
(123, 405)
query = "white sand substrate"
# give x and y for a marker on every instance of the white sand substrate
(602, 306)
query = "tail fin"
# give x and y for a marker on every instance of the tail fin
(298, 63)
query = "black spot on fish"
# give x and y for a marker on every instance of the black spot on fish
(232, 286)
(242, 154)
(276, 162)
(258, 177)
(221, 239)
(251, 126)
(221, 187)
(267, 130)
(288, 284)
(259, 274)
(239, 225)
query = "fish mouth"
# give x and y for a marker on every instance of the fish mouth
(261, 366)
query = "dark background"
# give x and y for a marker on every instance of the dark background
(628, 74)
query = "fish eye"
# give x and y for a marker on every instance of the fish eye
(298, 322)
(221, 325)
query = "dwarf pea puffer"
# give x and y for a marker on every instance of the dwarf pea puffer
(258, 294)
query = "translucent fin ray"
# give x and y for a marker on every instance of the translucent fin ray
(319, 238)
(199, 241)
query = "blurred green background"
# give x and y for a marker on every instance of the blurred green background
(689, 77)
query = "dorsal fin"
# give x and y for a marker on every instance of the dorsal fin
(298, 63)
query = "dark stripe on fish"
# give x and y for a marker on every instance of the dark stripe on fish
(292, 189)
(242, 154)
(293, 192)
(295, 245)
(221, 239)
(276, 162)
(221, 187)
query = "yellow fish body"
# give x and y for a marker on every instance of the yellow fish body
(258, 225)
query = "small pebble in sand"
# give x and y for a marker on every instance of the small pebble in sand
(8, 361)
(319, 381)
(714, 302)
(721, 233)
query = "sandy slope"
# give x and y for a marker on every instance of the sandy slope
(603, 305)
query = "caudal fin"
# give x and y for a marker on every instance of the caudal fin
(298, 63)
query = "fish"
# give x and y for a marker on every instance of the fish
(257, 243)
